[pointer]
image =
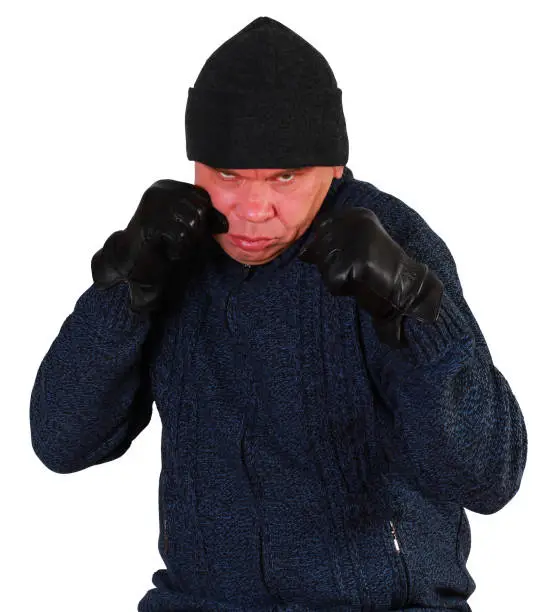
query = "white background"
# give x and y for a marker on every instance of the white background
(449, 106)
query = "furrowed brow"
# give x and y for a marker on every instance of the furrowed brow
(279, 173)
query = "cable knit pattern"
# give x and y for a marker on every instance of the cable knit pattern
(305, 465)
(465, 399)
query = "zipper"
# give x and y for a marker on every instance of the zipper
(164, 506)
(164, 511)
(165, 537)
(398, 550)
(394, 534)
(247, 273)
(247, 269)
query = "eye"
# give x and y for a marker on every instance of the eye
(287, 174)
(227, 176)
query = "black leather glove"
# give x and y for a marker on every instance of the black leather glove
(356, 256)
(170, 224)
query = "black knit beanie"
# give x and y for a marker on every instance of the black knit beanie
(266, 98)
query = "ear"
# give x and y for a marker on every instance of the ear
(338, 171)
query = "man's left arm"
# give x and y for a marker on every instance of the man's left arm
(457, 427)
(460, 426)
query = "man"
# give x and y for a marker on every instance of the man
(329, 405)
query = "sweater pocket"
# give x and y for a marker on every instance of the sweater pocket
(424, 550)
(401, 596)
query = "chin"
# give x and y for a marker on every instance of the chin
(252, 261)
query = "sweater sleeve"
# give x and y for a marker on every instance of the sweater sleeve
(457, 426)
(91, 396)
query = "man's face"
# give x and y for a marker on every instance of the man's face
(279, 204)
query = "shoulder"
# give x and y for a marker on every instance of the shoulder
(399, 219)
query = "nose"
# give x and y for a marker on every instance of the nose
(255, 203)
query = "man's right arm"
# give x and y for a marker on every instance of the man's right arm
(91, 397)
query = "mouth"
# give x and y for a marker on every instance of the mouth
(250, 238)
(251, 244)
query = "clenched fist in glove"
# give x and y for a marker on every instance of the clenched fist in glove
(172, 220)
(356, 256)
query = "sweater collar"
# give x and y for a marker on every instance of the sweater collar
(221, 258)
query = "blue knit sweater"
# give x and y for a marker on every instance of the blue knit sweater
(305, 465)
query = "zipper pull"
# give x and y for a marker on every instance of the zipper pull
(396, 542)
